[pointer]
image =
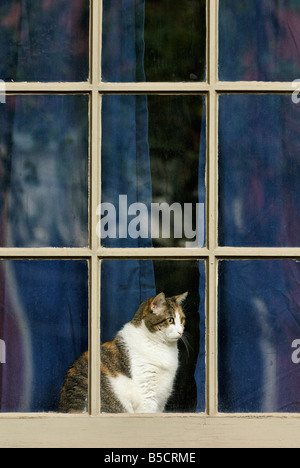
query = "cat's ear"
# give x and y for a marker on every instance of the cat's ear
(157, 304)
(180, 299)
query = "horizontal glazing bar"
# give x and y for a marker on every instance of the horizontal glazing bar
(48, 87)
(242, 252)
(154, 87)
(101, 253)
(221, 87)
(153, 253)
(55, 253)
(254, 86)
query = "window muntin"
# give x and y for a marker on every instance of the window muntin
(212, 88)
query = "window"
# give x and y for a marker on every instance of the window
(179, 150)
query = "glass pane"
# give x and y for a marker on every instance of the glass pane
(44, 171)
(130, 283)
(259, 336)
(44, 40)
(259, 143)
(259, 40)
(153, 171)
(154, 40)
(43, 329)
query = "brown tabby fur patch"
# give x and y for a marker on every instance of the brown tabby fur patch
(74, 393)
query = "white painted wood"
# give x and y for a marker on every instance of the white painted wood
(171, 431)
(150, 432)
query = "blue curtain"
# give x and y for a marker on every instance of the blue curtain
(259, 304)
(123, 41)
(126, 171)
(259, 40)
(43, 321)
(43, 40)
(43, 304)
(125, 160)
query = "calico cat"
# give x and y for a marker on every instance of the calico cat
(138, 367)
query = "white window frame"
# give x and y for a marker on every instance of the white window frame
(180, 430)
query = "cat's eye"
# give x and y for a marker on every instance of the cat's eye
(171, 321)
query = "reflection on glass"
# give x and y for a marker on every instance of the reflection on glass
(259, 143)
(126, 284)
(43, 328)
(259, 40)
(154, 40)
(153, 167)
(44, 40)
(259, 333)
(44, 171)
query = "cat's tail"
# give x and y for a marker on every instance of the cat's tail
(74, 393)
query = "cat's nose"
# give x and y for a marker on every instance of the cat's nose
(180, 333)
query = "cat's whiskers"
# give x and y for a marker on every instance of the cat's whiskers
(186, 343)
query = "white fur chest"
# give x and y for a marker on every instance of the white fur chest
(153, 367)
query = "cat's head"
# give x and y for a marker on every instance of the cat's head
(163, 317)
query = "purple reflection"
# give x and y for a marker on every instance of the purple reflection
(259, 167)
(259, 320)
(44, 171)
(44, 40)
(259, 40)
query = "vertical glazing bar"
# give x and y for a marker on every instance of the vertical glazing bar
(94, 351)
(212, 385)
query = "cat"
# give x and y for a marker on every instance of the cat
(138, 367)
